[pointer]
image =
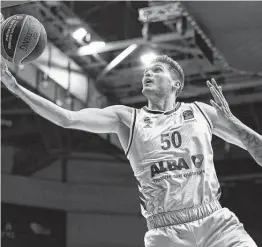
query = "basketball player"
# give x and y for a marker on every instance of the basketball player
(168, 144)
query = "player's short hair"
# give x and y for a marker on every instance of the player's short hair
(174, 66)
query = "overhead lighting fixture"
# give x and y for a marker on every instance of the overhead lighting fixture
(118, 59)
(148, 58)
(122, 55)
(79, 34)
(94, 46)
(97, 44)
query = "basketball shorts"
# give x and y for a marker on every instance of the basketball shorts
(207, 225)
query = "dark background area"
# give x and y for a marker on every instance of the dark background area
(32, 226)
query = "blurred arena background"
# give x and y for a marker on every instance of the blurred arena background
(71, 188)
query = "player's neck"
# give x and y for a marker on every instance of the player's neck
(162, 104)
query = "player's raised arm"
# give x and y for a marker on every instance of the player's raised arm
(228, 127)
(91, 119)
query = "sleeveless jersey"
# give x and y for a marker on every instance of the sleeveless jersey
(172, 158)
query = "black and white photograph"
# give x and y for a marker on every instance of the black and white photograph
(131, 123)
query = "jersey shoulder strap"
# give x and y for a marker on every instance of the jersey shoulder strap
(131, 129)
(204, 114)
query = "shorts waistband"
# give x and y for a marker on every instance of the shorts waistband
(182, 216)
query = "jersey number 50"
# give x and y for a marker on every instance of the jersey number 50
(175, 139)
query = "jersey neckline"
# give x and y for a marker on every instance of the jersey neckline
(162, 112)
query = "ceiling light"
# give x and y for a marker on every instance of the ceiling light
(148, 58)
(97, 44)
(79, 34)
(118, 60)
(124, 54)
(94, 46)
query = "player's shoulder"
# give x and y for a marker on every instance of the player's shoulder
(203, 108)
(195, 104)
(208, 109)
(209, 112)
(124, 113)
(192, 106)
(121, 109)
(201, 104)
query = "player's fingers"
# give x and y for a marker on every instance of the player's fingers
(215, 105)
(222, 97)
(2, 64)
(209, 84)
(219, 92)
(212, 89)
(4, 67)
(215, 95)
(215, 85)
(221, 103)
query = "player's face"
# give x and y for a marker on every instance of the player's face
(158, 80)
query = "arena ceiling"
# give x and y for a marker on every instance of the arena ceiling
(119, 25)
(216, 42)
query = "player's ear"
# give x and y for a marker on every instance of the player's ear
(176, 85)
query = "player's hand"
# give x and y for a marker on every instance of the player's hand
(219, 102)
(7, 78)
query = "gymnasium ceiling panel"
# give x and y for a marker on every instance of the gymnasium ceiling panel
(235, 28)
(118, 21)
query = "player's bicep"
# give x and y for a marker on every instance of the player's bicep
(221, 127)
(95, 120)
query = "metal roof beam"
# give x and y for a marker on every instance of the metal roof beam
(189, 66)
(198, 91)
(118, 45)
(6, 4)
(117, 60)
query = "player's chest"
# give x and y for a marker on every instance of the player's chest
(152, 128)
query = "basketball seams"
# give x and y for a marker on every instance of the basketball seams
(22, 26)
(2, 36)
(35, 44)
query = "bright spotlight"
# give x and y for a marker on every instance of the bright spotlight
(79, 34)
(91, 48)
(148, 58)
(96, 45)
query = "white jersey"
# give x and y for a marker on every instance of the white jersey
(172, 158)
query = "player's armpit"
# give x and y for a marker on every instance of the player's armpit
(97, 120)
(221, 127)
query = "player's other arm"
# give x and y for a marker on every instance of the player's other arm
(91, 119)
(221, 126)
(228, 127)
(235, 132)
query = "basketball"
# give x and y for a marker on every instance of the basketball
(23, 39)
(1, 18)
